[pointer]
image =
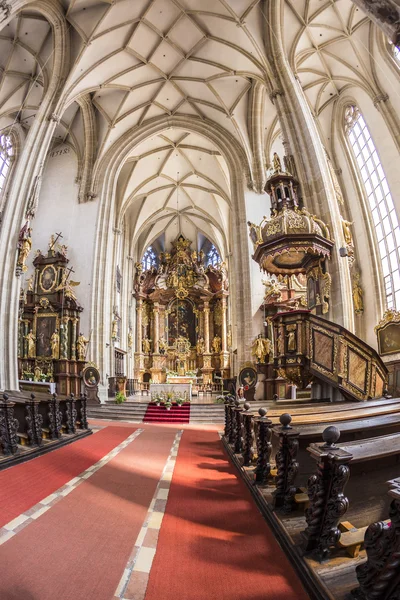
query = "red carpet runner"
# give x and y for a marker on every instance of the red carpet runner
(79, 548)
(23, 486)
(213, 542)
(159, 414)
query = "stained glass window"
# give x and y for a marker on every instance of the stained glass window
(149, 259)
(213, 257)
(380, 202)
(6, 154)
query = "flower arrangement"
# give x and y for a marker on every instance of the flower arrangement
(120, 398)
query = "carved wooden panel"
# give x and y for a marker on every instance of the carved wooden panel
(357, 370)
(323, 350)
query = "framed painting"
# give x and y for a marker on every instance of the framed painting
(248, 377)
(48, 278)
(91, 376)
(389, 339)
(45, 327)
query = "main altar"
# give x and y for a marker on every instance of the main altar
(182, 334)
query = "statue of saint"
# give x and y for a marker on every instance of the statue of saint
(348, 238)
(200, 346)
(272, 291)
(130, 339)
(24, 247)
(30, 283)
(276, 162)
(229, 340)
(162, 345)
(55, 345)
(114, 329)
(31, 344)
(291, 336)
(261, 348)
(216, 344)
(358, 294)
(146, 345)
(81, 344)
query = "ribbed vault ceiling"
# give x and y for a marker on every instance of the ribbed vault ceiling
(175, 180)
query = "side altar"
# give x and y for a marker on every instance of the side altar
(51, 348)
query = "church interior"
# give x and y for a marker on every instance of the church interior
(200, 299)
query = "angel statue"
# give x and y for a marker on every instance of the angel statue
(261, 348)
(67, 286)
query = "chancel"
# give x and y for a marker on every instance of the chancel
(200, 299)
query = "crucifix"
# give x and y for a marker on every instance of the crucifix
(54, 241)
(68, 272)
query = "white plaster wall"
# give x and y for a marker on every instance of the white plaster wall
(59, 211)
(257, 206)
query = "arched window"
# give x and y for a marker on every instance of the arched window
(213, 257)
(380, 202)
(395, 52)
(6, 157)
(149, 259)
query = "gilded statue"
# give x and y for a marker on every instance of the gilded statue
(81, 344)
(229, 340)
(272, 291)
(200, 346)
(55, 345)
(31, 344)
(216, 344)
(276, 163)
(162, 345)
(261, 348)
(30, 283)
(146, 345)
(66, 286)
(24, 247)
(291, 336)
(130, 339)
(358, 294)
(194, 256)
(348, 237)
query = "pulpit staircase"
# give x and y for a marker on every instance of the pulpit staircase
(310, 348)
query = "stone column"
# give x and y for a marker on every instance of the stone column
(73, 341)
(224, 331)
(25, 348)
(156, 311)
(139, 325)
(206, 328)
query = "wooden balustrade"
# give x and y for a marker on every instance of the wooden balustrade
(325, 491)
(8, 427)
(264, 447)
(237, 427)
(286, 464)
(247, 445)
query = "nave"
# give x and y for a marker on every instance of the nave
(139, 512)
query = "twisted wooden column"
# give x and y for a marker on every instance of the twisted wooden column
(71, 414)
(325, 490)
(35, 422)
(286, 464)
(247, 449)
(379, 576)
(264, 447)
(232, 430)
(8, 427)
(83, 411)
(55, 418)
(238, 427)
(228, 402)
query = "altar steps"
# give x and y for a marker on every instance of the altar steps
(160, 414)
(128, 411)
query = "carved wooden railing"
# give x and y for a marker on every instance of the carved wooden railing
(307, 346)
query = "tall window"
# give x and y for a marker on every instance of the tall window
(213, 257)
(6, 157)
(149, 259)
(379, 200)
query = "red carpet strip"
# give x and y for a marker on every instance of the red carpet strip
(159, 414)
(23, 486)
(79, 548)
(213, 542)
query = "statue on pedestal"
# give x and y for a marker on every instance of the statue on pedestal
(55, 345)
(31, 344)
(162, 345)
(146, 345)
(358, 294)
(200, 346)
(24, 247)
(216, 344)
(81, 344)
(276, 162)
(130, 340)
(261, 348)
